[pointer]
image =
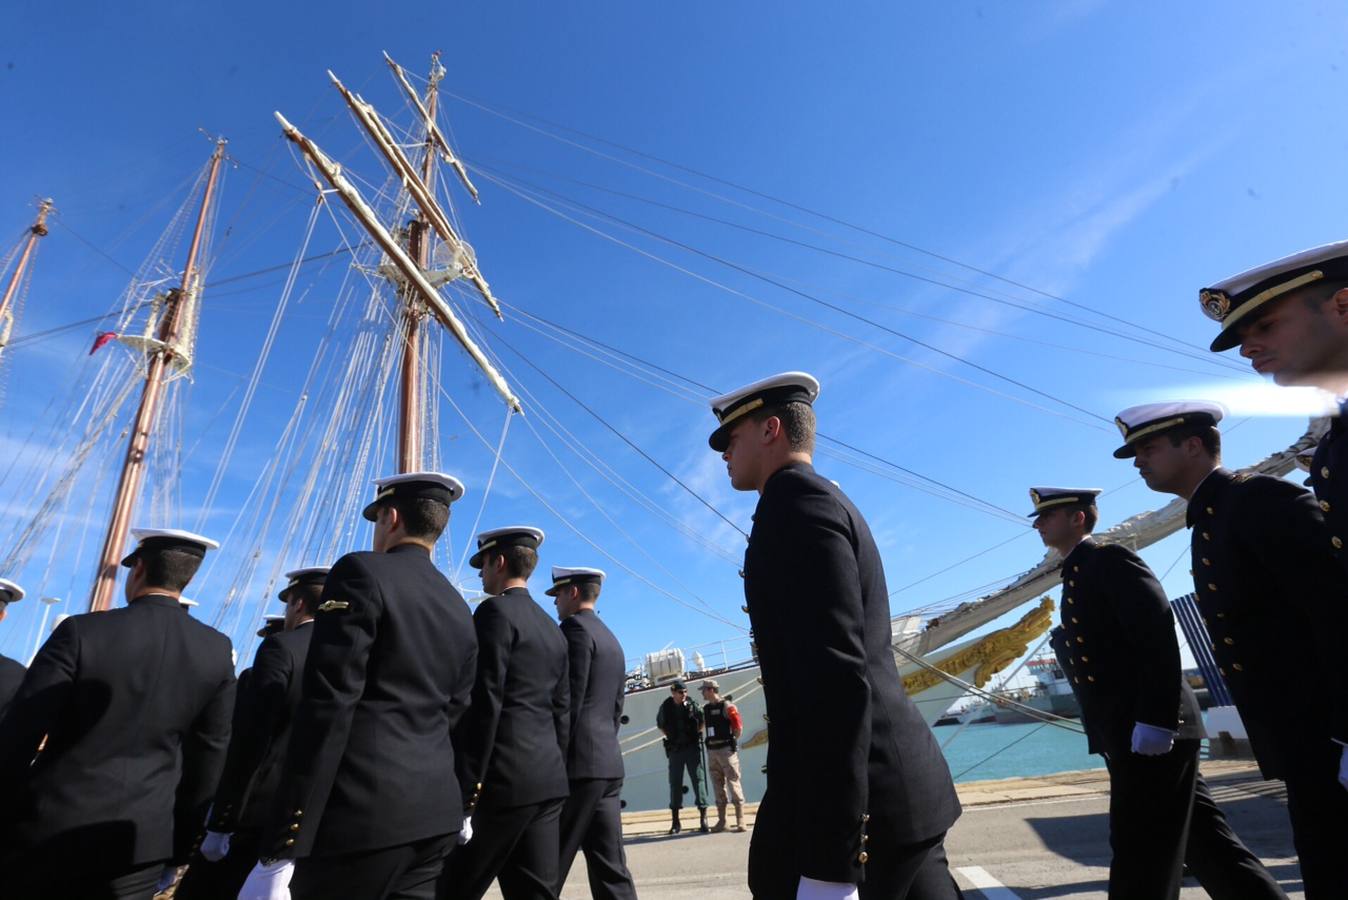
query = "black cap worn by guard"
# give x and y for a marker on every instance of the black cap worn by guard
(678, 686)
(414, 485)
(1138, 422)
(1242, 298)
(153, 540)
(788, 387)
(1046, 498)
(500, 538)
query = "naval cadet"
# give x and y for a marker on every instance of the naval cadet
(592, 816)
(846, 742)
(512, 740)
(11, 670)
(135, 706)
(368, 806)
(248, 785)
(1117, 644)
(1276, 607)
(1290, 320)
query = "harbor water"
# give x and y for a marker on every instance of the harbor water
(991, 751)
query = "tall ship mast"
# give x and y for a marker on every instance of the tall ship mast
(28, 248)
(168, 355)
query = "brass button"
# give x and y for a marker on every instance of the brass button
(1206, 536)
(1211, 586)
(1238, 667)
(1206, 561)
(1071, 601)
(1085, 659)
(1324, 505)
(1071, 584)
(1324, 471)
(1221, 615)
(1221, 670)
(299, 813)
(1081, 640)
(1205, 621)
(1337, 542)
(1230, 642)
(1076, 679)
(865, 817)
(745, 609)
(1211, 511)
(290, 842)
(1076, 621)
(295, 826)
(1076, 568)
(765, 717)
(1090, 678)
(862, 857)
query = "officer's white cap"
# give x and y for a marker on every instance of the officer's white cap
(786, 387)
(1138, 422)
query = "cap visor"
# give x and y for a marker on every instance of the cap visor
(1125, 452)
(1227, 339)
(129, 560)
(720, 439)
(371, 512)
(475, 561)
(551, 592)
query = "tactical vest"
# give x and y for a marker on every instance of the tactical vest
(720, 735)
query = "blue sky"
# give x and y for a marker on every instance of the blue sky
(1116, 156)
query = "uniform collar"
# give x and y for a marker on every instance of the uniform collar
(791, 466)
(1083, 548)
(155, 600)
(1208, 488)
(410, 547)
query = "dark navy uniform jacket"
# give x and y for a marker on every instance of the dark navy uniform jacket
(1329, 480)
(1117, 645)
(247, 792)
(135, 704)
(598, 674)
(11, 676)
(1275, 603)
(845, 739)
(388, 676)
(511, 741)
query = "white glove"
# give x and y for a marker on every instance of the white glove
(466, 832)
(1343, 768)
(1148, 740)
(809, 889)
(215, 846)
(166, 879)
(269, 881)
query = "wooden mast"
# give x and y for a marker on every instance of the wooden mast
(37, 230)
(161, 354)
(410, 415)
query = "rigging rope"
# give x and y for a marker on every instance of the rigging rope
(491, 479)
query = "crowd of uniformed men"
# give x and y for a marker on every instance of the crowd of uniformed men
(386, 743)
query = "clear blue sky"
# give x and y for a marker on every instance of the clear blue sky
(1118, 156)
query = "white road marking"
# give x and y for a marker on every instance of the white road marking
(991, 888)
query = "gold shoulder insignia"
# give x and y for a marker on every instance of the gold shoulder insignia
(1242, 477)
(331, 605)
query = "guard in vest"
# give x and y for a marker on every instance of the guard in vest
(1290, 320)
(134, 704)
(248, 785)
(367, 804)
(1276, 606)
(880, 794)
(723, 728)
(1117, 644)
(511, 742)
(11, 670)
(592, 816)
(680, 721)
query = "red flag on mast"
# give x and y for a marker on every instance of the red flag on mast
(102, 338)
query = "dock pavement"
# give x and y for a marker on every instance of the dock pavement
(1019, 839)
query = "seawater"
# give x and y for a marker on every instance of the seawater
(990, 751)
